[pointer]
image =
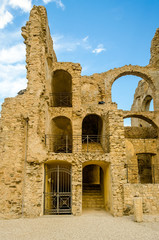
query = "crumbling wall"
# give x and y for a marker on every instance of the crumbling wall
(154, 61)
(26, 120)
(142, 98)
(12, 158)
(21, 143)
(140, 132)
(149, 194)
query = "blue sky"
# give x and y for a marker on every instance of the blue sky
(99, 34)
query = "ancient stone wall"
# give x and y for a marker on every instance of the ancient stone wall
(142, 98)
(149, 194)
(15, 111)
(154, 61)
(140, 132)
(26, 125)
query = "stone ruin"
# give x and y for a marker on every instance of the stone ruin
(63, 144)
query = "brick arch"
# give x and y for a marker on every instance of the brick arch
(101, 164)
(136, 70)
(141, 116)
(62, 70)
(132, 70)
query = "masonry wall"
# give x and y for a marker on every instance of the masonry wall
(26, 120)
(149, 194)
(140, 132)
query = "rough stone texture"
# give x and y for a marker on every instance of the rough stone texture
(138, 212)
(149, 194)
(154, 61)
(140, 132)
(142, 98)
(27, 122)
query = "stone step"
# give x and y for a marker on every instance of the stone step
(94, 206)
(92, 196)
(92, 193)
(92, 200)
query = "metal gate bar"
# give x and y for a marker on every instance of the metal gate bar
(58, 195)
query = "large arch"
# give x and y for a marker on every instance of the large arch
(132, 70)
(135, 70)
(142, 116)
(61, 86)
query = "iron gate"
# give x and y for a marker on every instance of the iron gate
(58, 195)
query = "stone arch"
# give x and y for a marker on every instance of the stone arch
(142, 117)
(61, 129)
(102, 164)
(61, 87)
(132, 70)
(138, 71)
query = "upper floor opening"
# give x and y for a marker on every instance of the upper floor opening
(61, 87)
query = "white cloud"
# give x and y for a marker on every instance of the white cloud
(5, 16)
(68, 44)
(85, 39)
(25, 5)
(13, 54)
(58, 3)
(12, 79)
(7, 38)
(99, 49)
(12, 69)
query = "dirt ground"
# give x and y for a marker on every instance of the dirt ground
(91, 225)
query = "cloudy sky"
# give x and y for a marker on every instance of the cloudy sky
(99, 34)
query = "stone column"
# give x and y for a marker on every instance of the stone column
(117, 157)
(76, 188)
(138, 212)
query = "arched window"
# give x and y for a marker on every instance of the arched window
(92, 126)
(147, 104)
(61, 137)
(61, 95)
(92, 136)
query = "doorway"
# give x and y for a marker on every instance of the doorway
(58, 192)
(93, 187)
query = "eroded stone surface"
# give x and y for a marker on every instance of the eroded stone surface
(26, 124)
